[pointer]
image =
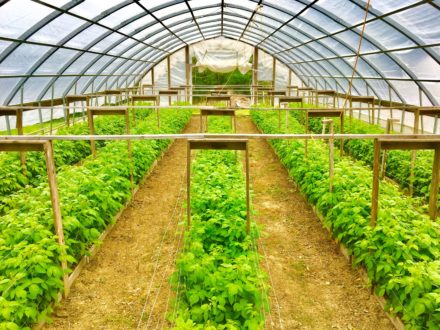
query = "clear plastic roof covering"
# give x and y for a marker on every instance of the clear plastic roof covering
(51, 48)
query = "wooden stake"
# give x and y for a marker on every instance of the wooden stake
(169, 77)
(248, 203)
(255, 76)
(389, 129)
(19, 126)
(129, 149)
(307, 132)
(375, 189)
(331, 153)
(188, 184)
(414, 153)
(433, 193)
(91, 131)
(50, 166)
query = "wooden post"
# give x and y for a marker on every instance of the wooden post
(248, 203)
(129, 149)
(433, 193)
(51, 173)
(290, 82)
(307, 132)
(188, 183)
(92, 131)
(274, 72)
(66, 111)
(331, 156)
(279, 117)
(169, 77)
(19, 126)
(389, 129)
(134, 112)
(414, 152)
(341, 129)
(375, 191)
(152, 79)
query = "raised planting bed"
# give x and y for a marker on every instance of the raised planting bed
(401, 254)
(90, 195)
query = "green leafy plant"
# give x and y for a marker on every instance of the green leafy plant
(218, 278)
(400, 253)
(91, 195)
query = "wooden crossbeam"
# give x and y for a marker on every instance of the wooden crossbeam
(168, 92)
(291, 99)
(362, 99)
(218, 98)
(277, 93)
(325, 113)
(328, 92)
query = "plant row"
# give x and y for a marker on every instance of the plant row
(218, 280)
(398, 161)
(401, 253)
(13, 177)
(90, 197)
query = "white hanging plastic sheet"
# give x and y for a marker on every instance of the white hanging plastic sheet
(222, 55)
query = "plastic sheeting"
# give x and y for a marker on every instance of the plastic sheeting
(222, 55)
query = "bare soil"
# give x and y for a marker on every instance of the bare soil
(312, 285)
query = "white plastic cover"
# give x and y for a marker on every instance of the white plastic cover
(222, 55)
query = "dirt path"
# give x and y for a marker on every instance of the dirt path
(315, 286)
(111, 291)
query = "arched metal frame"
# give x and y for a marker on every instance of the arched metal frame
(262, 23)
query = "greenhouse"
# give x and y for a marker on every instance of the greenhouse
(219, 164)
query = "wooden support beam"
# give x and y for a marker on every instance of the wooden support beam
(255, 77)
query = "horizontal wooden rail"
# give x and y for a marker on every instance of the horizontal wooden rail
(394, 137)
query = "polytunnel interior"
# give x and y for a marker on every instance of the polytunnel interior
(316, 207)
(73, 45)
